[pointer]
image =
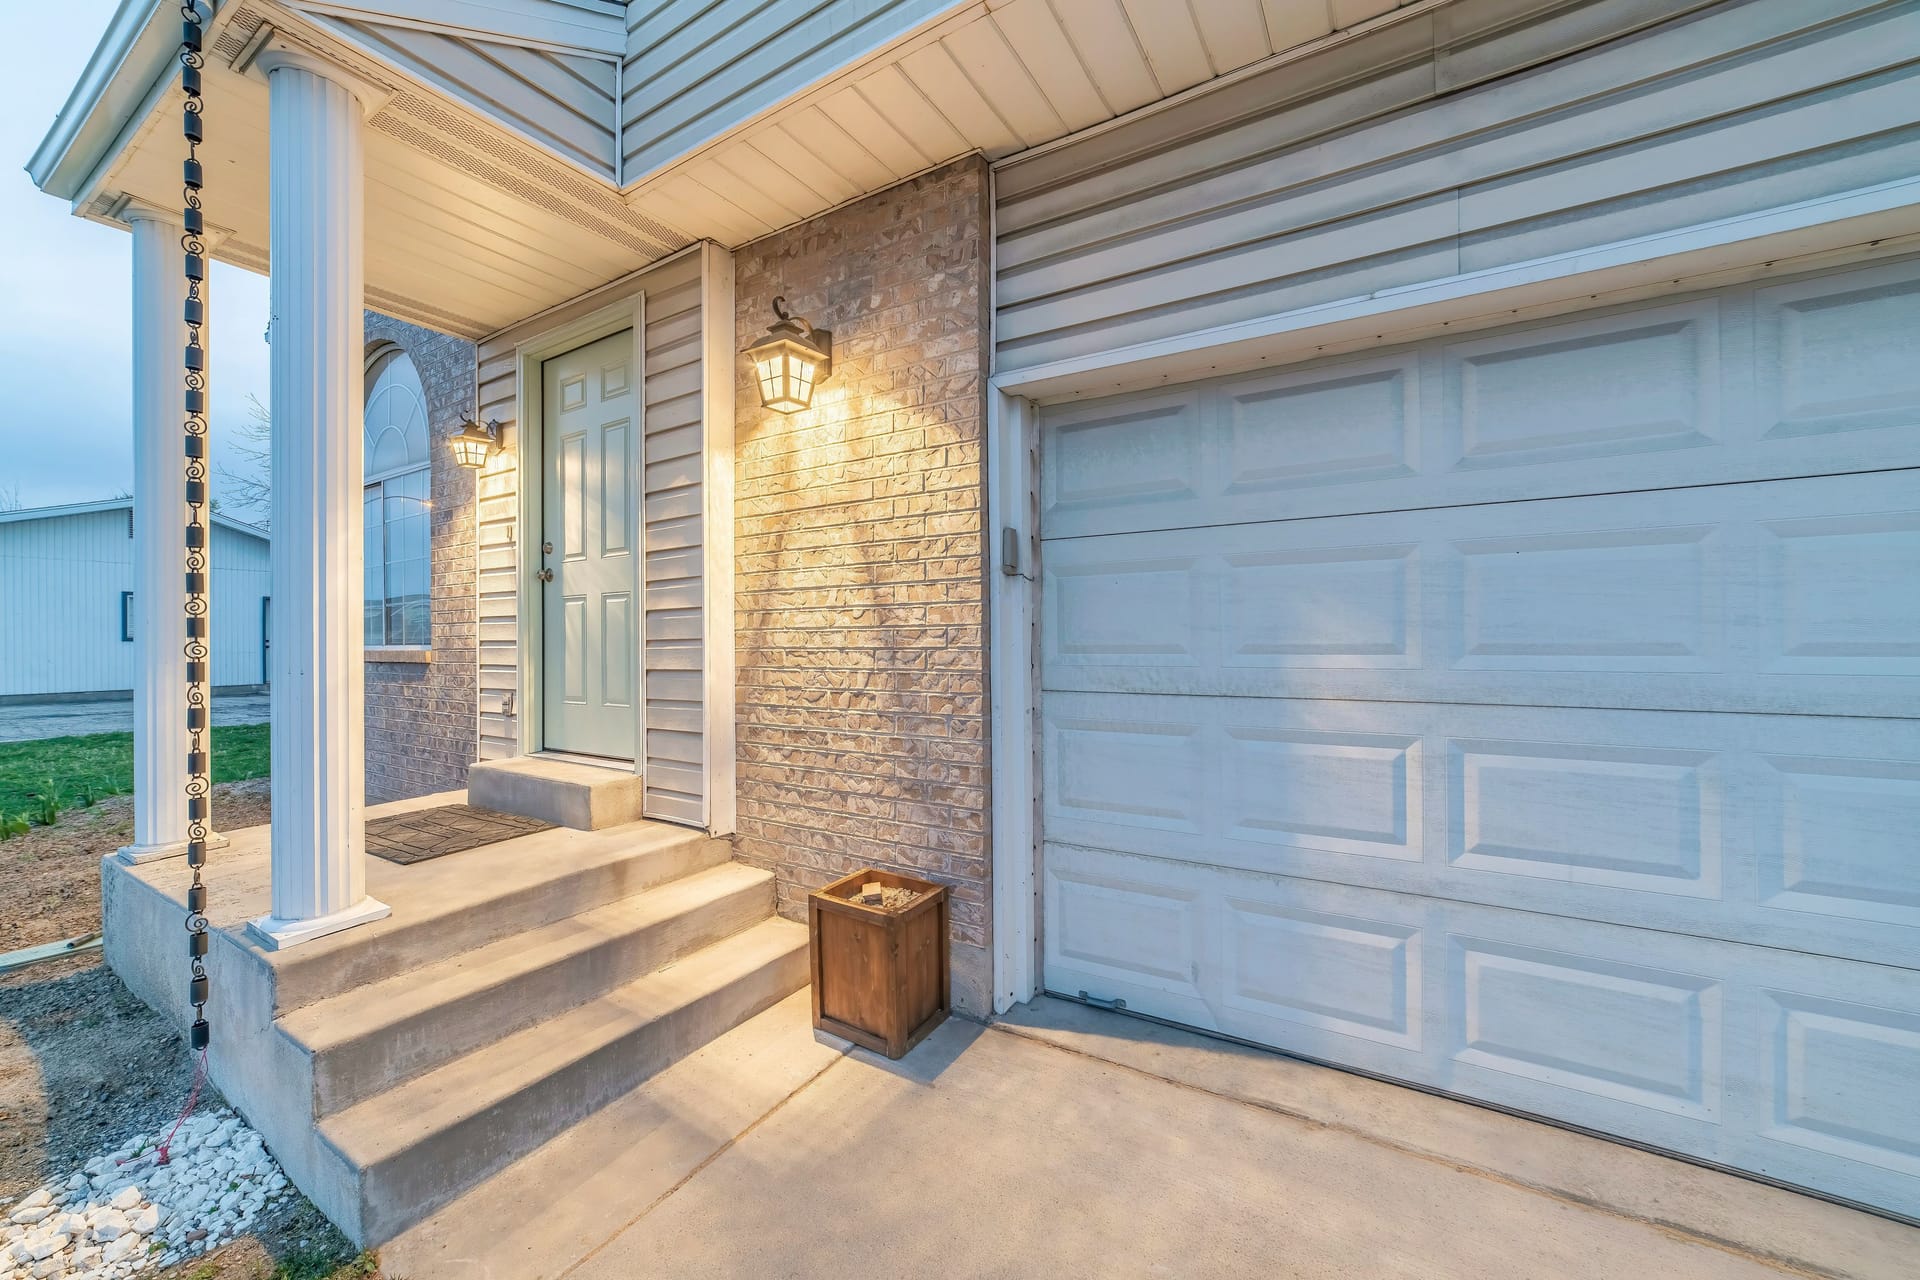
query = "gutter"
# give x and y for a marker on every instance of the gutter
(135, 56)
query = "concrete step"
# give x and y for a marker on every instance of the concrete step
(417, 1146)
(374, 1037)
(587, 797)
(453, 905)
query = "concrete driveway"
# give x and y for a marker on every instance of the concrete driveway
(1066, 1142)
(26, 721)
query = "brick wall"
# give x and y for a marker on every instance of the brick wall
(861, 575)
(422, 720)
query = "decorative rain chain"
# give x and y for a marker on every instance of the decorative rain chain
(199, 783)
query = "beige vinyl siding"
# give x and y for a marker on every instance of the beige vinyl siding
(563, 101)
(674, 676)
(1467, 137)
(672, 750)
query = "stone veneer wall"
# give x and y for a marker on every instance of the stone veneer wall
(862, 712)
(422, 718)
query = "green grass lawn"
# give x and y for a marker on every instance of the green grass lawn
(76, 771)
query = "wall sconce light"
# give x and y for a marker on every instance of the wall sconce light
(473, 444)
(791, 361)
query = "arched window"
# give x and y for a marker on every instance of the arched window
(398, 503)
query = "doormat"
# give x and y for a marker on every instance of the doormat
(449, 828)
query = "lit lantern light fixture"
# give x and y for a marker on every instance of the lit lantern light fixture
(474, 444)
(791, 361)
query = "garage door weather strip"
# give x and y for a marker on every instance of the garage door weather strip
(1120, 1007)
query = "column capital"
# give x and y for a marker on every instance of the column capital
(270, 51)
(131, 209)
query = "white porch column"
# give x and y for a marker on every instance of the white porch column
(315, 124)
(159, 524)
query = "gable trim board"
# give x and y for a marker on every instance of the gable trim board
(561, 26)
(666, 307)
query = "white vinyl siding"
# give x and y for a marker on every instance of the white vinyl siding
(1477, 135)
(1531, 714)
(64, 578)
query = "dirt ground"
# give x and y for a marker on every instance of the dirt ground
(53, 872)
(85, 1065)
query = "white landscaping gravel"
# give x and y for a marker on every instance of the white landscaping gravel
(125, 1212)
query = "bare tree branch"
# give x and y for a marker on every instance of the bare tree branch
(249, 491)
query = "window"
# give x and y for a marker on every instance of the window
(126, 615)
(398, 503)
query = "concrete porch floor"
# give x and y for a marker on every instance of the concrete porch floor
(1064, 1141)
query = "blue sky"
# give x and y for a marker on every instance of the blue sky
(65, 334)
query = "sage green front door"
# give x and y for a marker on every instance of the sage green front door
(590, 517)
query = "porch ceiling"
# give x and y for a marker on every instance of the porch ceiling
(472, 224)
(468, 227)
(995, 76)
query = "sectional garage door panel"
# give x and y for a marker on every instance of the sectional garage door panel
(1796, 1067)
(1810, 377)
(1792, 596)
(1798, 832)
(1532, 715)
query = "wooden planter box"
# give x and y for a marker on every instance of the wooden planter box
(879, 976)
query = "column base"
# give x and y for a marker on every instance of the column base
(276, 934)
(135, 854)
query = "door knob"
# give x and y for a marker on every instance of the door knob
(545, 575)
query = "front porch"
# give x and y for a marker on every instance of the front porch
(515, 988)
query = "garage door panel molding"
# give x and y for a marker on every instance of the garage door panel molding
(1802, 378)
(1531, 715)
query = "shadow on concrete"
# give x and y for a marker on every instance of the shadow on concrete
(927, 1061)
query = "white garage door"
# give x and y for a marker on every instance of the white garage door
(1529, 715)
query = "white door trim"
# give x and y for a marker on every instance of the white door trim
(1013, 470)
(529, 409)
(717, 366)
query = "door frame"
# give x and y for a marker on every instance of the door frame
(1854, 228)
(529, 453)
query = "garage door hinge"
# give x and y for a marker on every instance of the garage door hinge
(1098, 1003)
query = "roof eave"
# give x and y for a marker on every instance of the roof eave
(63, 510)
(137, 51)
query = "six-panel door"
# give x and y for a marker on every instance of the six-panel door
(588, 557)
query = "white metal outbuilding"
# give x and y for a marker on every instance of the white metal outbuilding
(66, 574)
